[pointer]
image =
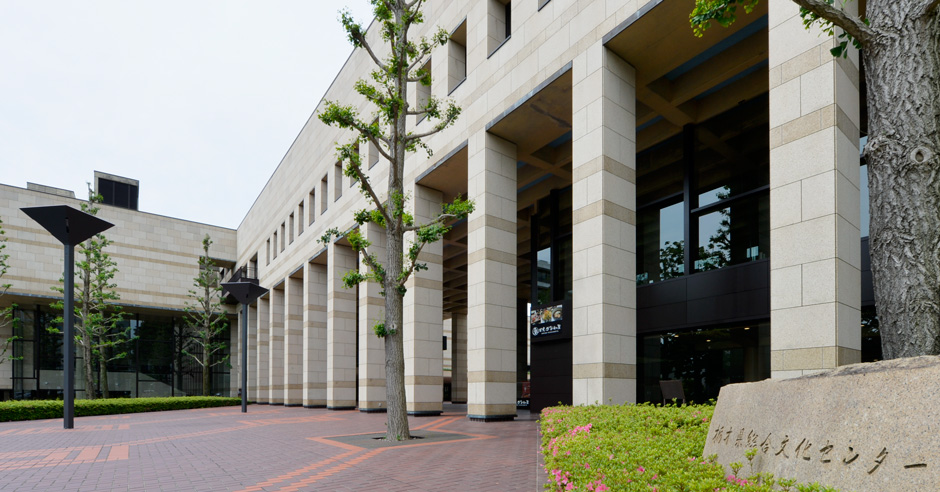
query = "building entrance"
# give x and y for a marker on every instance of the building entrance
(550, 313)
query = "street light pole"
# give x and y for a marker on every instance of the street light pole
(244, 358)
(68, 345)
(245, 293)
(70, 227)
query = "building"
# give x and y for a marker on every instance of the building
(649, 206)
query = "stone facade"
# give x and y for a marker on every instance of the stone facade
(566, 101)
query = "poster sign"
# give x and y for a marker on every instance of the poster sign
(546, 320)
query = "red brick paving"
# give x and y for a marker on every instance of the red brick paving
(269, 448)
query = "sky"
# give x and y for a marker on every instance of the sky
(199, 100)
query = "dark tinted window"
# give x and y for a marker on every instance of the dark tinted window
(118, 194)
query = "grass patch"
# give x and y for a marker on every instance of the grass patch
(640, 448)
(53, 409)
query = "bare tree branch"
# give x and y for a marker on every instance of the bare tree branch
(411, 268)
(419, 61)
(437, 128)
(363, 129)
(361, 39)
(853, 25)
(367, 185)
(440, 219)
(367, 259)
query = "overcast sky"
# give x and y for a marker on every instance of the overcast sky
(198, 100)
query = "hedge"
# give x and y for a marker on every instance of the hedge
(642, 448)
(53, 409)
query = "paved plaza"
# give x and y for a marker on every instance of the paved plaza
(269, 448)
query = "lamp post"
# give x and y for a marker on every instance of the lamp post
(245, 293)
(70, 227)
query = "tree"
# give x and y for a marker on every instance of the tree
(100, 330)
(900, 53)
(6, 314)
(389, 132)
(205, 319)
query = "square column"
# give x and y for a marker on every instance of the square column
(314, 337)
(341, 330)
(263, 311)
(815, 260)
(293, 341)
(458, 378)
(276, 346)
(371, 348)
(604, 228)
(491, 279)
(424, 317)
(252, 352)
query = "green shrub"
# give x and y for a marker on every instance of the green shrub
(53, 409)
(640, 448)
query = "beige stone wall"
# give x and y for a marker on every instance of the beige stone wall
(604, 239)
(814, 199)
(305, 185)
(541, 43)
(156, 256)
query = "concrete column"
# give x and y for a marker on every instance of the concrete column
(424, 317)
(276, 346)
(314, 349)
(341, 330)
(253, 352)
(371, 348)
(293, 341)
(264, 384)
(604, 226)
(458, 379)
(491, 279)
(815, 280)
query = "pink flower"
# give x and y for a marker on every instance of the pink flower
(570, 486)
(641, 469)
(587, 466)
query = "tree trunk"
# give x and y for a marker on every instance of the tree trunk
(902, 70)
(103, 370)
(397, 412)
(89, 362)
(206, 376)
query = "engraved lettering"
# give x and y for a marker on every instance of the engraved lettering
(881, 457)
(825, 452)
(916, 465)
(765, 446)
(851, 456)
(718, 432)
(783, 447)
(740, 439)
(802, 450)
(752, 439)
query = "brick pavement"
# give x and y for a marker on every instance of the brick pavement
(269, 448)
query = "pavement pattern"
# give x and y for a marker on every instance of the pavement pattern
(269, 448)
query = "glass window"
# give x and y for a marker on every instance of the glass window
(661, 251)
(703, 359)
(736, 234)
(544, 276)
(732, 153)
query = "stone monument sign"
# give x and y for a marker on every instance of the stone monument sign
(864, 427)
